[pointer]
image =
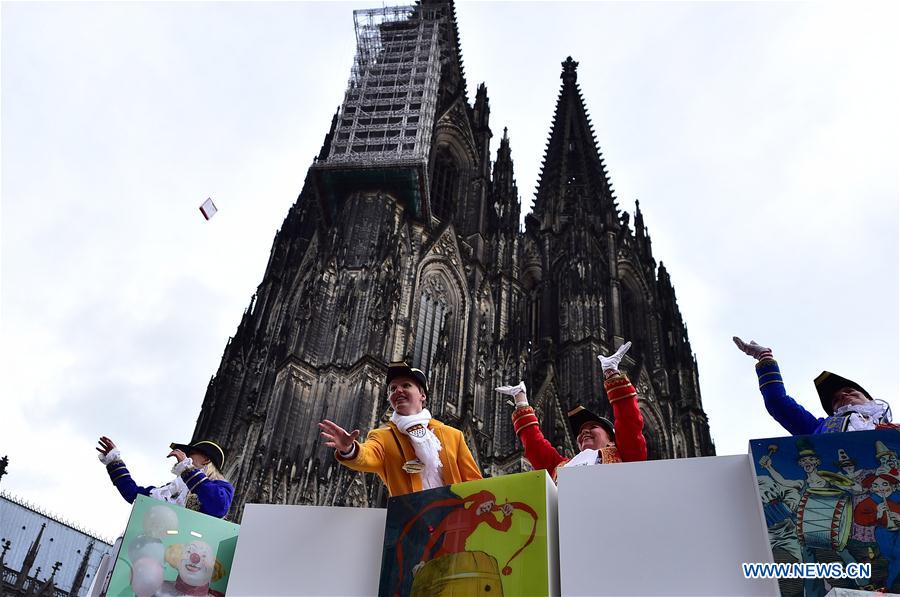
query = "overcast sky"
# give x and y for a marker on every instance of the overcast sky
(761, 139)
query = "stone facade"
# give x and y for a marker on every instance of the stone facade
(384, 259)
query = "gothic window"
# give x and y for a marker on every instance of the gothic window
(655, 447)
(431, 328)
(632, 315)
(444, 185)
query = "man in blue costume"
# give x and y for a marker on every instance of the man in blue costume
(198, 484)
(848, 405)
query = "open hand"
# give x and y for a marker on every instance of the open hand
(513, 391)
(106, 445)
(337, 437)
(753, 349)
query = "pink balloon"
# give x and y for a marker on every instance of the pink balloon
(146, 577)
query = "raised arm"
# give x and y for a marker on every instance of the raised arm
(629, 422)
(539, 452)
(784, 409)
(118, 472)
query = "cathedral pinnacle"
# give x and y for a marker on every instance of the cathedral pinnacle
(569, 74)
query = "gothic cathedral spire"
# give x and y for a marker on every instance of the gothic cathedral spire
(573, 181)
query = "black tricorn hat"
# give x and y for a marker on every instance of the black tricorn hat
(579, 415)
(211, 450)
(401, 369)
(827, 383)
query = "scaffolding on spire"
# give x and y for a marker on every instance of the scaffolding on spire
(384, 126)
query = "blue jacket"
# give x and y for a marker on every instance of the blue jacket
(784, 409)
(214, 496)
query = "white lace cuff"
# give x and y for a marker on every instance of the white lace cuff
(110, 457)
(184, 465)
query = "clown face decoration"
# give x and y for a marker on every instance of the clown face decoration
(197, 563)
(197, 566)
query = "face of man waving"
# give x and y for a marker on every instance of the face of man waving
(405, 396)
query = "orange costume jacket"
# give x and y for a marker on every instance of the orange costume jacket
(386, 449)
(630, 444)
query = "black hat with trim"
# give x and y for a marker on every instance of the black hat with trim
(211, 450)
(401, 369)
(827, 383)
(579, 415)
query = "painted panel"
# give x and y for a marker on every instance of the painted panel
(832, 497)
(168, 550)
(489, 537)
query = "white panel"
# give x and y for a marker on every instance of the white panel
(308, 550)
(672, 527)
(552, 536)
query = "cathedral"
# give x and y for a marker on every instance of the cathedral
(406, 243)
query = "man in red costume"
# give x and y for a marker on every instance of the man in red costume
(599, 440)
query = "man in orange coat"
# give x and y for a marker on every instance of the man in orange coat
(414, 452)
(599, 440)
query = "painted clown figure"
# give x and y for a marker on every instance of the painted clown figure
(882, 509)
(600, 441)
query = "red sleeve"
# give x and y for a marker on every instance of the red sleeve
(629, 424)
(865, 513)
(539, 452)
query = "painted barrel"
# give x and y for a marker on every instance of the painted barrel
(458, 575)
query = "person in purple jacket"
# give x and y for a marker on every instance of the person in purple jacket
(848, 405)
(198, 484)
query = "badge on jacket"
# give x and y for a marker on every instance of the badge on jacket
(417, 431)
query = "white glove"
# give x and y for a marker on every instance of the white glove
(515, 391)
(112, 456)
(753, 349)
(182, 466)
(611, 363)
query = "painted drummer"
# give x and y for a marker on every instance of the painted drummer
(413, 451)
(862, 533)
(848, 405)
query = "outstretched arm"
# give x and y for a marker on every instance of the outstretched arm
(766, 463)
(118, 472)
(539, 452)
(367, 456)
(784, 409)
